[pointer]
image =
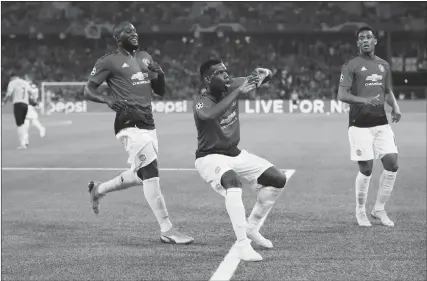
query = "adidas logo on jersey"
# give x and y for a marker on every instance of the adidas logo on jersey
(363, 69)
(125, 65)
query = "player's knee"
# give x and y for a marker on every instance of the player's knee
(149, 171)
(230, 179)
(392, 167)
(365, 167)
(272, 177)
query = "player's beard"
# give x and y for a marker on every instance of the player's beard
(129, 46)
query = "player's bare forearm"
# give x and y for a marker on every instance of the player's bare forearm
(159, 84)
(390, 99)
(220, 108)
(344, 95)
(91, 93)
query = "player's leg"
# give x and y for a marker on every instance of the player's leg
(98, 190)
(269, 181)
(362, 152)
(146, 165)
(33, 117)
(386, 149)
(216, 171)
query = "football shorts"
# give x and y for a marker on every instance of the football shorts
(247, 166)
(141, 145)
(371, 143)
(20, 110)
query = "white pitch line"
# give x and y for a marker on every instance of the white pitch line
(84, 169)
(230, 263)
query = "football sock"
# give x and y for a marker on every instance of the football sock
(21, 135)
(127, 179)
(387, 180)
(26, 134)
(265, 201)
(362, 186)
(155, 199)
(236, 211)
(38, 125)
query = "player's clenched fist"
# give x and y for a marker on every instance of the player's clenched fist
(374, 101)
(155, 67)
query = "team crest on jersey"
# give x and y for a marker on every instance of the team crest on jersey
(199, 105)
(93, 71)
(217, 170)
(234, 103)
(358, 152)
(381, 67)
(146, 61)
(341, 77)
(142, 158)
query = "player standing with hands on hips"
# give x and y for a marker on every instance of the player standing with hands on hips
(366, 84)
(132, 75)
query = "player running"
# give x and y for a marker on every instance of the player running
(366, 85)
(132, 75)
(32, 115)
(19, 91)
(223, 165)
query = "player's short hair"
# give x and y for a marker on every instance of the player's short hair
(118, 28)
(207, 65)
(365, 28)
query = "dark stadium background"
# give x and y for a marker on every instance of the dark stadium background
(48, 229)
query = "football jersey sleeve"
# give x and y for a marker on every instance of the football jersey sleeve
(388, 79)
(100, 71)
(201, 105)
(347, 75)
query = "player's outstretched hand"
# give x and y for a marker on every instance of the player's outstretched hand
(396, 115)
(374, 101)
(249, 84)
(155, 67)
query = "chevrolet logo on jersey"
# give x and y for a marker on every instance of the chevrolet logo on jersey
(374, 78)
(141, 77)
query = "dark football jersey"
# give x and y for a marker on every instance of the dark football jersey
(129, 79)
(367, 78)
(221, 135)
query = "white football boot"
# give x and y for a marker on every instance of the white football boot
(245, 251)
(362, 218)
(94, 195)
(253, 234)
(382, 215)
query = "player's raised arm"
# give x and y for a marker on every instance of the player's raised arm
(158, 84)
(390, 99)
(216, 110)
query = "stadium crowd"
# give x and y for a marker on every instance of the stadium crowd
(306, 65)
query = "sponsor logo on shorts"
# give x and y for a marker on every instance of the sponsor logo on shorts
(358, 152)
(217, 170)
(341, 77)
(142, 158)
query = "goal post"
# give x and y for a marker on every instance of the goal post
(61, 97)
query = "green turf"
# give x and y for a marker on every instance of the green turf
(49, 231)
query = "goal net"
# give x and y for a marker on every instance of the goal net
(64, 97)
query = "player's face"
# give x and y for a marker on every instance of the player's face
(366, 41)
(128, 37)
(219, 78)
